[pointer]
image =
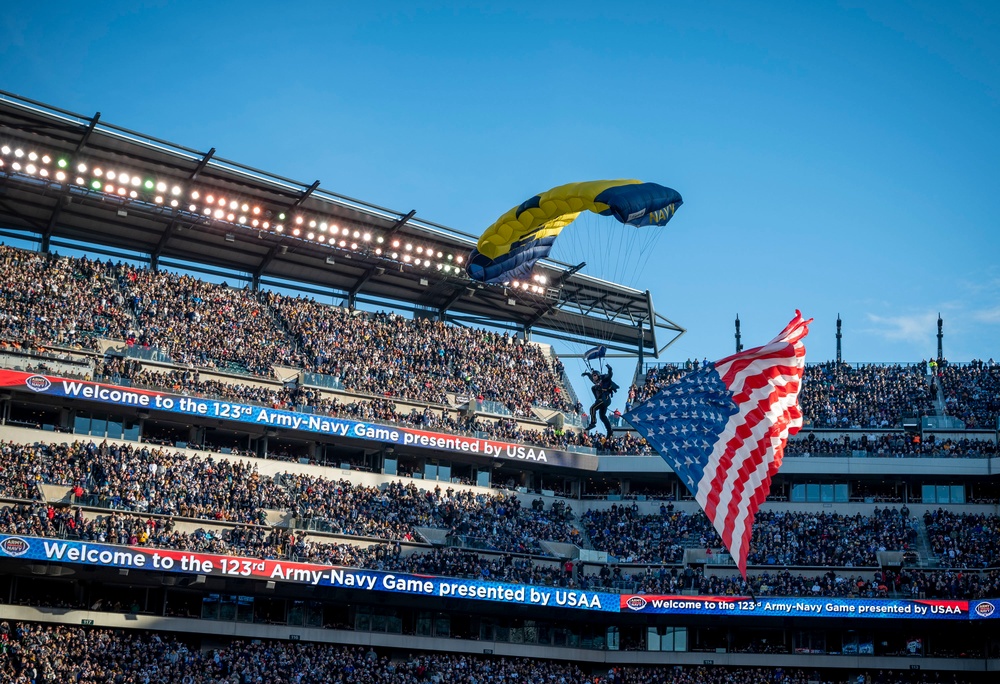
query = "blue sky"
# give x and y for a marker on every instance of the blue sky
(833, 157)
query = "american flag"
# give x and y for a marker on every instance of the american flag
(723, 429)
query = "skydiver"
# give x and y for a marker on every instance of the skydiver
(603, 388)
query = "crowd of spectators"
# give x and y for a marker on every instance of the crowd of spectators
(835, 395)
(202, 323)
(841, 395)
(631, 537)
(35, 653)
(128, 529)
(783, 538)
(68, 302)
(420, 359)
(898, 445)
(964, 540)
(188, 381)
(150, 480)
(828, 539)
(47, 299)
(53, 654)
(971, 391)
(496, 521)
(157, 481)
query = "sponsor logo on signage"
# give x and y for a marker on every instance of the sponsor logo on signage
(985, 609)
(636, 602)
(37, 383)
(14, 546)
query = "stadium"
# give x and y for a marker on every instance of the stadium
(230, 481)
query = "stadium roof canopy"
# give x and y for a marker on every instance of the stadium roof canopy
(61, 183)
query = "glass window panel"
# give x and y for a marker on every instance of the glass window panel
(81, 423)
(812, 492)
(680, 638)
(99, 425)
(115, 430)
(798, 493)
(826, 493)
(929, 494)
(943, 494)
(131, 430)
(958, 494)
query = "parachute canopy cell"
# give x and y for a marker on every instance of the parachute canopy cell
(509, 248)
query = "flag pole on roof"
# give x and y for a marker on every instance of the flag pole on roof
(723, 429)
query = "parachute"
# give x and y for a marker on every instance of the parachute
(509, 248)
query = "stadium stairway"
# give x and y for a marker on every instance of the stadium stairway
(925, 554)
(939, 405)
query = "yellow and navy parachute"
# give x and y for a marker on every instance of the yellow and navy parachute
(509, 248)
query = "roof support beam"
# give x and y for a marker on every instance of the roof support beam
(202, 164)
(305, 195)
(452, 298)
(154, 256)
(400, 223)
(64, 195)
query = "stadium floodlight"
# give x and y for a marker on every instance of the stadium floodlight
(367, 237)
(149, 185)
(19, 153)
(15, 166)
(5, 149)
(176, 190)
(174, 203)
(80, 180)
(30, 168)
(98, 172)
(162, 187)
(60, 176)
(32, 156)
(110, 174)
(62, 163)
(279, 228)
(46, 159)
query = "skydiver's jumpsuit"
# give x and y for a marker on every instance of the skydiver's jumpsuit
(602, 390)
